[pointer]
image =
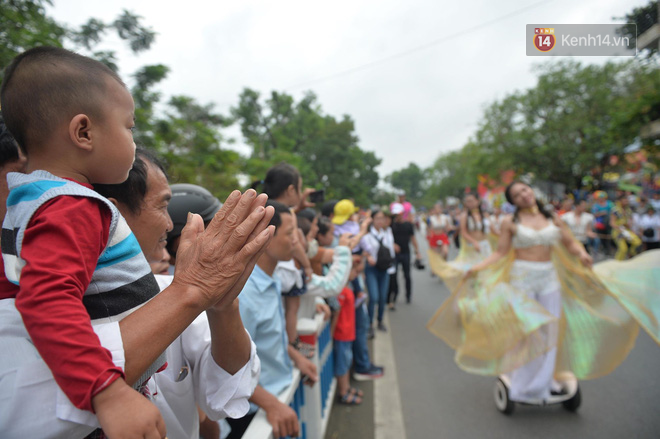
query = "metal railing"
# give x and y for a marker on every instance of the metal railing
(311, 404)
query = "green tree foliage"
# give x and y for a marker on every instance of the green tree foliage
(560, 130)
(189, 139)
(451, 174)
(643, 18)
(411, 180)
(24, 24)
(325, 149)
(146, 78)
(186, 133)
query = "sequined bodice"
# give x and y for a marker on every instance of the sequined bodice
(528, 237)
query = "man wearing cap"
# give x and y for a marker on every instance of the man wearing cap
(404, 234)
(408, 209)
(187, 198)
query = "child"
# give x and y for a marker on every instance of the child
(261, 309)
(344, 336)
(68, 253)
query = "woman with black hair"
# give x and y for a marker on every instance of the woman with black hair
(473, 246)
(531, 233)
(283, 184)
(472, 224)
(534, 310)
(378, 245)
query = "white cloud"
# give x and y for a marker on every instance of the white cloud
(407, 109)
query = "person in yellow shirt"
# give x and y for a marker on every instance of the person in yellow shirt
(627, 243)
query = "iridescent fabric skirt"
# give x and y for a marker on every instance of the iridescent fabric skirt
(496, 326)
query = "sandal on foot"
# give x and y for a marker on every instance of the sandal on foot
(350, 399)
(356, 392)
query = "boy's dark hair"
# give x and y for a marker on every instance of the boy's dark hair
(8, 146)
(45, 86)
(308, 213)
(304, 224)
(328, 208)
(131, 193)
(280, 209)
(324, 223)
(278, 179)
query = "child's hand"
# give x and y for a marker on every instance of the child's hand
(344, 239)
(308, 274)
(304, 202)
(125, 414)
(283, 420)
(364, 226)
(322, 308)
(313, 230)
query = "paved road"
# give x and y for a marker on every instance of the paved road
(441, 401)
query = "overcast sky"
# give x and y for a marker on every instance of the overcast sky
(410, 108)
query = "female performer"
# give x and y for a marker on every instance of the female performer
(474, 244)
(532, 232)
(535, 309)
(473, 229)
(437, 234)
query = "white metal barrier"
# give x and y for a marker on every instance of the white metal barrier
(312, 404)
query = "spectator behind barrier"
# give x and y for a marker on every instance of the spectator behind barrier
(188, 198)
(64, 83)
(262, 312)
(283, 183)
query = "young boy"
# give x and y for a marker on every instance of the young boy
(68, 254)
(262, 313)
(344, 336)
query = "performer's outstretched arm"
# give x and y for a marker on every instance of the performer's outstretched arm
(574, 246)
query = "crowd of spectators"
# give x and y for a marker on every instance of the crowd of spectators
(181, 311)
(130, 307)
(617, 224)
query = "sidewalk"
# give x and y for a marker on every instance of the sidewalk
(380, 415)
